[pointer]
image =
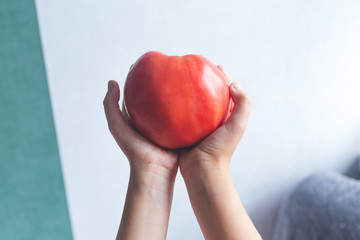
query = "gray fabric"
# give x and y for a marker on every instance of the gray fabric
(323, 206)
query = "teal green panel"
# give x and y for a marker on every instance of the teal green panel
(32, 194)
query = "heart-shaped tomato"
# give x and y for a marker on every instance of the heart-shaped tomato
(176, 101)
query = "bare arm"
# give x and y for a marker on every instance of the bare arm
(152, 176)
(147, 208)
(218, 208)
(205, 170)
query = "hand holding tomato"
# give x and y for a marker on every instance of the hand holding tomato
(143, 155)
(204, 168)
(216, 150)
(175, 102)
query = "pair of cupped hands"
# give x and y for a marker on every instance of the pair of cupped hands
(204, 167)
(214, 152)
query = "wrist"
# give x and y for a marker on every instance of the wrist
(207, 168)
(155, 182)
(210, 180)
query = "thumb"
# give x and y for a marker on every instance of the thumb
(237, 122)
(111, 106)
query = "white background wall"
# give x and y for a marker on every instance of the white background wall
(300, 61)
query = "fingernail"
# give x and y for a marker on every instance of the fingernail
(236, 86)
(110, 85)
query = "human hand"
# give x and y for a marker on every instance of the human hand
(215, 151)
(145, 158)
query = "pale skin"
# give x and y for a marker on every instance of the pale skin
(204, 168)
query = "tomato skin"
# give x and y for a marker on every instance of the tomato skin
(176, 101)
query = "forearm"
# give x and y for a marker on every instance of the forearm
(147, 208)
(217, 206)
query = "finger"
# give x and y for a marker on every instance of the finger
(237, 122)
(111, 106)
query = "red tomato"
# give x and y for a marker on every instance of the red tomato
(176, 101)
